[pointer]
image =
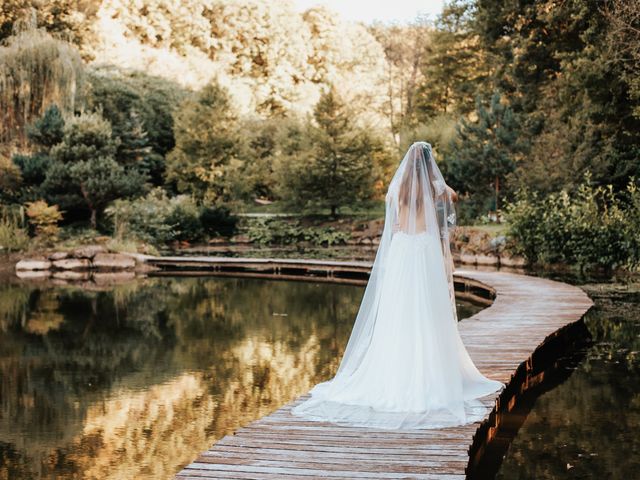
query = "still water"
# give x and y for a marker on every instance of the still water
(588, 427)
(133, 381)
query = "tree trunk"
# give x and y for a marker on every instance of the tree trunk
(497, 186)
(334, 211)
(94, 216)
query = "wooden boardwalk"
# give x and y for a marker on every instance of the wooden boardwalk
(526, 315)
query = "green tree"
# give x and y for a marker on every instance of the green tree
(84, 171)
(266, 147)
(43, 134)
(206, 133)
(252, 173)
(454, 68)
(139, 108)
(485, 152)
(337, 166)
(566, 67)
(48, 130)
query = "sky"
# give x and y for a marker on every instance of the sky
(383, 10)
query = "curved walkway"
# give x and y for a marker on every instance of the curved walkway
(528, 315)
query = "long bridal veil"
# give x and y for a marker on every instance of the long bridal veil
(418, 184)
(405, 365)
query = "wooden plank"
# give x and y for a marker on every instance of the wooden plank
(293, 455)
(413, 465)
(389, 447)
(226, 474)
(338, 451)
(321, 472)
(525, 314)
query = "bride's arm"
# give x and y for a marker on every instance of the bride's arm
(439, 191)
(452, 192)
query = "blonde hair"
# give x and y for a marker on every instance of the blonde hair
(404, 194)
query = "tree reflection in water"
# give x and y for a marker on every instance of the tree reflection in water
(133, 382)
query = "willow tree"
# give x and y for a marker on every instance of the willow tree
(36, 70)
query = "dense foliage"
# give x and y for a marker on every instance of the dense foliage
(158, 219)
(590, 227)
(252, 101)
(206, 136)
(140, 108)
(68, 18)
(573, 99)
(335, 166)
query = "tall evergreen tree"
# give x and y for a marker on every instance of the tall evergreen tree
(337, 168)
(485, 154)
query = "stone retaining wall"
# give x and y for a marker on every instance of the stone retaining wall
(77, 264)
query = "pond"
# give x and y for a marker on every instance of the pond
(133, 381)
(587, 427)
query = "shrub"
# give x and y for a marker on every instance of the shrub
(592, 227)
(143, 219)
(44, 219)
(218, 221)
(184, 219)
(159, 219)
(13, 235)
(273, 231)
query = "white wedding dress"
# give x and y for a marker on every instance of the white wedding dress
(405, 366)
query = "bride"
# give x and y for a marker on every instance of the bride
(405, 366)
